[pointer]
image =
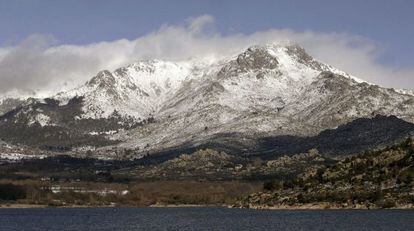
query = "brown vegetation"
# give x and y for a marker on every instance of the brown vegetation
(133, 194)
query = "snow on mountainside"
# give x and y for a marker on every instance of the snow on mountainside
(270, 90)
(137, 90)
(265, 90)
(7, 104)
(141, 89)
(11, 100)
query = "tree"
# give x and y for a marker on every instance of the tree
(12, 192)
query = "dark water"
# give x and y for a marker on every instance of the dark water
(202, 219)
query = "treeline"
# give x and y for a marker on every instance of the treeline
(11, 192)
(138, 194)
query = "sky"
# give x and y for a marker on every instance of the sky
(50, 45)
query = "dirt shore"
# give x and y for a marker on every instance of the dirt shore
(312, 206)
(323, 206)
(21, 206)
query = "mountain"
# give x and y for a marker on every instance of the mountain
(8, 104)
(154, 106)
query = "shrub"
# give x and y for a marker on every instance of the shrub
(12, 192)
(386, 203)
(272, 185)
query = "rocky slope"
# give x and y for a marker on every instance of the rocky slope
(201, 165)
(213, 165)
(152, 106)
(265, 91)
(378, 179)
(8, 104)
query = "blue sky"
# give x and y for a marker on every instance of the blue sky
(85, 21)
(53, 44)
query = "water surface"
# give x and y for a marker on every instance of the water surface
(202, 219)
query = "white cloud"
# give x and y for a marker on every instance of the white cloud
(37, 64)
(197, 25)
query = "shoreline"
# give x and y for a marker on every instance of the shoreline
(35, 206)
(313, 206)
(22, 206)
(324, 206)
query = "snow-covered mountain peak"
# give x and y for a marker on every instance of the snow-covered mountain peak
(273, 89)
(145, 87)
(104, 79)
(256, 57)
(135, 91)
(262, 76)
(284, 51)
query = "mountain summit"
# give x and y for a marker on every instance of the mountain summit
(154, 105)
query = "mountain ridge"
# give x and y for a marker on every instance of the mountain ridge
(271, 90)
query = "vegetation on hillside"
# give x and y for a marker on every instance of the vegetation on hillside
(374, 179)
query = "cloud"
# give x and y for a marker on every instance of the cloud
(198, 24)
(39, 65)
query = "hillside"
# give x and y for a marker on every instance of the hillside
(374, 179)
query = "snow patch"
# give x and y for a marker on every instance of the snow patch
(18, 156)
(41, 119)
